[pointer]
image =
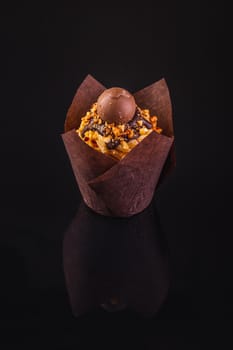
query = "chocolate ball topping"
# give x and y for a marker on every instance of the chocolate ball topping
(116, 105)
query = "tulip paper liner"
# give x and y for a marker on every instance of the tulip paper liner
(126, 187)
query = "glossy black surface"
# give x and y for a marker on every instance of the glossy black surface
(124, 260)
(46, 52)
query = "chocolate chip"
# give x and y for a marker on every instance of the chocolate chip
(146, 123)
(112, 144)
(99, 128)
(87, 127)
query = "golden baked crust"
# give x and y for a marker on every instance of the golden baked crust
(113, 139)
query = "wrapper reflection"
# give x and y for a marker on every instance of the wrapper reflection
(116, 263)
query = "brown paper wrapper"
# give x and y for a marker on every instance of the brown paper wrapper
(126, 187)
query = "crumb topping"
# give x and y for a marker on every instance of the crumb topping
(113, 139)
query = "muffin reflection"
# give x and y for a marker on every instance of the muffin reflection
(115, 262)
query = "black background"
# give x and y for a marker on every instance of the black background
(46, 52)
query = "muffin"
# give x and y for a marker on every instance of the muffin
(120, 145)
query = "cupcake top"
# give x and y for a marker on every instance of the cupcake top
(115, 124)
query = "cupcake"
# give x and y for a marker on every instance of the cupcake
(120, 145)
